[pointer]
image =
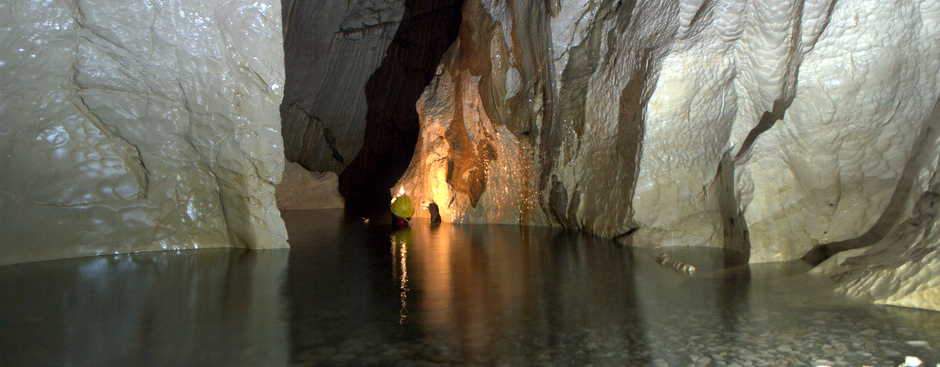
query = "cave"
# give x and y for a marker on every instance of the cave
(470, 182)
(365, 131)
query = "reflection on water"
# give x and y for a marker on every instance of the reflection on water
(350, 294)
(517, 296)
(400, 240)
(211, 307)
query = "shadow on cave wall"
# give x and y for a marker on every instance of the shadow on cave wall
(427, 30)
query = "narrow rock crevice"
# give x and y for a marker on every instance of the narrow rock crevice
(330, 140)
(767, 120)
(737, 244)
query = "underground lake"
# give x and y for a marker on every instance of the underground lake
(351, 293)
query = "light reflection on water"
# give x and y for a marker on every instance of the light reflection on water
(400, 240)
(502, 294)
(351, 294)
(211, 307)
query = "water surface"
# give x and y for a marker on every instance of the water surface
(351, 294)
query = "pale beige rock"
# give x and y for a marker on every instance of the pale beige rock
(902, 269)
(847, 155)
(133, 126)
(301, 189)
(769, 127)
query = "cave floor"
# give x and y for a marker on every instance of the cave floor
(351, 294)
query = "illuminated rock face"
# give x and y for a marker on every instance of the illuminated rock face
(133, 126)
(901, 269)
(767, 127)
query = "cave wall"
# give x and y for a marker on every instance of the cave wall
(902, 268)
(354, 71)
(331, 49)
(772, 128)
(132, 126)
(427, 30)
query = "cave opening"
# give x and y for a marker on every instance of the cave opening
(340, 117)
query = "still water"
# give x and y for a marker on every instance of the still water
(351, 294)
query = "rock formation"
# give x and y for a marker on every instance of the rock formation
(903, 267)
(427, 29)
(331, 50)
(301, 189)
(779, 129)
(354, 70)
(132, 126)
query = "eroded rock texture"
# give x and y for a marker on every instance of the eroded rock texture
(355, 70)
(771, 128)
(331, 49)
(901, 267)
(133, 125)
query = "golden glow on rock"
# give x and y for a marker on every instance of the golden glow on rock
(440, 191)
(401, 191)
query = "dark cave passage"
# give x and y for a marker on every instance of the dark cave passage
(354, 72)
(427, 30)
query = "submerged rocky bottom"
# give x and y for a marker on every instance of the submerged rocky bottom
(351, 294)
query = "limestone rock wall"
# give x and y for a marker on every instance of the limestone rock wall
(768, 127)
(131, 126)
(903, 268)
(354, 71)
(332, 48)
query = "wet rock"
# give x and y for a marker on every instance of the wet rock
(911, 361)
(917, 343)
(426, 31)
(331, 49)
(702, 361)
(903, 268)
(668, 121)
(434, 213)
(135, 126)
(669, 262)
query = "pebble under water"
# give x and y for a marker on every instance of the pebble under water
(352, 294)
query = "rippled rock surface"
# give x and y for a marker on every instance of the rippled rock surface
(771, 128)
(131, 126)
(331, 50)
